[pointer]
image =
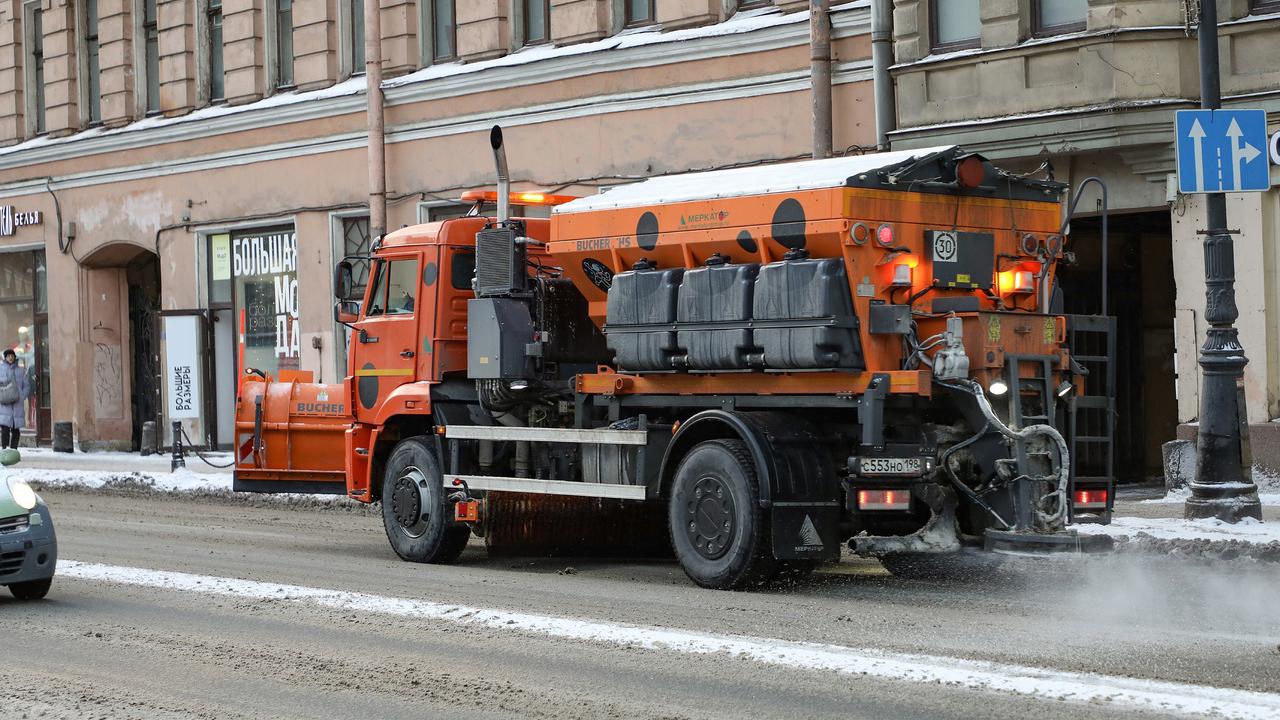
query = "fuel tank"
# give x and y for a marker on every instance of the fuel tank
(290, 437)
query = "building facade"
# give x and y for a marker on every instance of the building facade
(1088, 88)
(208, 158)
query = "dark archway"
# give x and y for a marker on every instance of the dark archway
(143, 275)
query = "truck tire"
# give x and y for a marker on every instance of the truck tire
(718, 530)
(418, 521)
(31, 589)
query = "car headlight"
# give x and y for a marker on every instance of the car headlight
(23, 494)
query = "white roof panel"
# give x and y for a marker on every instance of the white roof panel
(738, 182)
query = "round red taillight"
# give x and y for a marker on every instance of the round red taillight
(884, 235)
(860, 233)
(970, 172)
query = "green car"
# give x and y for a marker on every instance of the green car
(28, 546)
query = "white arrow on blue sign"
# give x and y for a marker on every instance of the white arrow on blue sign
(1222, 151)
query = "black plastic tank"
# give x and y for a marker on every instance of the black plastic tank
(718, 294)
(640, 318)
(804, 316)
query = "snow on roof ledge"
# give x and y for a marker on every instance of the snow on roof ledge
(739, 182)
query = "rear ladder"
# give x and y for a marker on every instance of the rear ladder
(1091, 415)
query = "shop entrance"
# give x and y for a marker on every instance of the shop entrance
(253, 307)
(24, 324)
(1141, 298)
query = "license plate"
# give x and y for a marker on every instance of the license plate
(891, 466)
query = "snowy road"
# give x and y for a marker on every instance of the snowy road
(212, 608)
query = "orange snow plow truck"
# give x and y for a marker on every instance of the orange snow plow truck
(752, 368)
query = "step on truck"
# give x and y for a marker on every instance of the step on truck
(753, 368)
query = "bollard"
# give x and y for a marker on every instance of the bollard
(1179, 463)
(177, 461)
(150, 441)
(63, 438)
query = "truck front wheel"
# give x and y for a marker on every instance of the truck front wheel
(718, 530)
(418, 521)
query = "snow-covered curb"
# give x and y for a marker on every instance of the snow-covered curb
(181, 484)
(1209, 539)
(1267, 495)
(178, 481)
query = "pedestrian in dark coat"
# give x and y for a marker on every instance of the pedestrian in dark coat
(13, 384)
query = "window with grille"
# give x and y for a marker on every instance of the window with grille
(356, 241)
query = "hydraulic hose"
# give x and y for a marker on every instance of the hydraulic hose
(1055, 518)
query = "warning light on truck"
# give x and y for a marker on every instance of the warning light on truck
(1017, 282)
(884, 235)
(517, 198)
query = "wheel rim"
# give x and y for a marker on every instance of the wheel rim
(709, 521)
(407, 503)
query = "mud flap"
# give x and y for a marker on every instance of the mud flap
(803, 531)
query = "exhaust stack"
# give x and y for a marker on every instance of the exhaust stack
(500, 253)
(504, 179)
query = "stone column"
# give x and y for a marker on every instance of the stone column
(675, 14)
(12, 122)
(575, 21)
(244, 54)
(176, 24)
(61, 97)
(115, 61)
(315, 43)
(482, 29)
(400, 50)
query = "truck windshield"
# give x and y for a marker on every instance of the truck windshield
(394, 288)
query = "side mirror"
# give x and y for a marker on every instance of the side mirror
(346, 312)
(343, 281)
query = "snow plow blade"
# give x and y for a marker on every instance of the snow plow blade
(1032, 543)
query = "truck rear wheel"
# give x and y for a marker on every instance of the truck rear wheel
(718, 530)
(418, 521)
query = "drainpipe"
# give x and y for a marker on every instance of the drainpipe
(377, 129)
(820, 75)
(881, 80)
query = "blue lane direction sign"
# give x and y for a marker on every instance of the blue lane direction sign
(1222, 151)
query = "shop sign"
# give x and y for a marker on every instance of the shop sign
(1275, 147)
(182, 365)
(270, 261)
(11, 219)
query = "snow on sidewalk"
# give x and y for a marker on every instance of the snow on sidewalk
(1249, 530)
(45, 458)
